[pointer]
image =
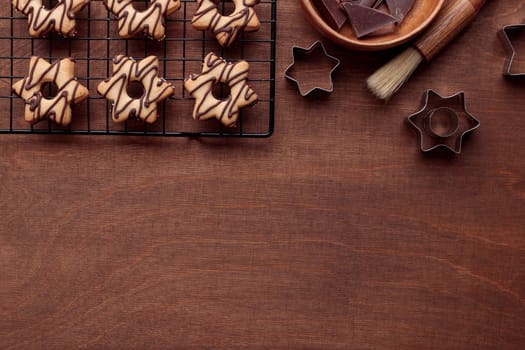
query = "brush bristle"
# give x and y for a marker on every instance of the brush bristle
(388, 79)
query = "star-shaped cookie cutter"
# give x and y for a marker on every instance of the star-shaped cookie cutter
(505, 35)
(318, 45)
(443, 121)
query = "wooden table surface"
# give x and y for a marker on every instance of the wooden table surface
(335, 233)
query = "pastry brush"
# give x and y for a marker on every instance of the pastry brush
(452, 19)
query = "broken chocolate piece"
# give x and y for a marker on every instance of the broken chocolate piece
(366, 20)
(399, 8)
(331, 12)
(368, 3)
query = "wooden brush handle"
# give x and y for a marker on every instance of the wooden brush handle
(453, 17)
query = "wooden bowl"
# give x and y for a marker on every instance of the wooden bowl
(422, 13)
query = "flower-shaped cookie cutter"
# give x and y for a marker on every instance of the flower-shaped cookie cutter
(443, 121)
(307, 52)
(505, 35)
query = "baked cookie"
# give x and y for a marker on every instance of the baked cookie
(226, 28)
(58, 108)
(216, 70)
(60, 18)
(150, 21)
(146, 72)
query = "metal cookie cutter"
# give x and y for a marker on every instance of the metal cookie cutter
(505, 35)
(296, 51)
(443, 121)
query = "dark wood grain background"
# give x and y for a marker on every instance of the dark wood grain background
(335, 233)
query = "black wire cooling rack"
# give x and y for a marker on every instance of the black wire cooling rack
(180, 54)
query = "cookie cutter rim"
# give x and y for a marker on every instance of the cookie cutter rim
(308, 51)
(422, 109)
(511, 50)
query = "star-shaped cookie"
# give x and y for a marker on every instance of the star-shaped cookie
(216, 70)
(57, 108)
(443, 122)
(60, 18)
(146, 72)
(151, 21)
(226, 28)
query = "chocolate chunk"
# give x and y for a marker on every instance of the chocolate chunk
(366, 20)
(368, 3)
(331, 12)
(400, 8)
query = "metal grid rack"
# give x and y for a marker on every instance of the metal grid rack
(180, 54)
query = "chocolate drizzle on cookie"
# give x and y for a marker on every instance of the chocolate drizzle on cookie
(226, 28)
(146, 72)
(57, 108)
(41, 20)
(151, 21)
(216, 70)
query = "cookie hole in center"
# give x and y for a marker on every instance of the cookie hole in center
(221, 91)
(49, 4)
(225, 7)
(141, 5)
(49, 90)
(135, 90)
